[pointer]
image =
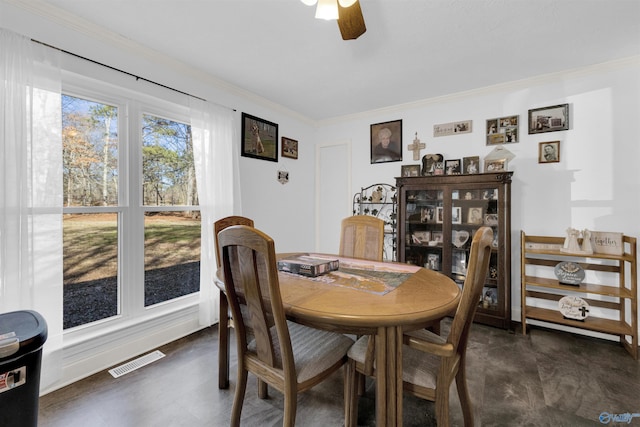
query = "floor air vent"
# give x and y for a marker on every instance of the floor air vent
(136, 363)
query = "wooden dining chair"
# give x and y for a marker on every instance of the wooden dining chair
(430, 362)
(226, 320)
(362, 236)
(288, 356)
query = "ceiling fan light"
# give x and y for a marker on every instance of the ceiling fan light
(309, 2)
(346, 3)
(327, 9)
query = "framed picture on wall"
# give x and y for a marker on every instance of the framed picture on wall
(549, 119)
(549, 152)
(289, 148)
(386, 142)
(502, 130)
(259, 138)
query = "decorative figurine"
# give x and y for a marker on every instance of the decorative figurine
(586, 242)
(571, 241)
(571, 244)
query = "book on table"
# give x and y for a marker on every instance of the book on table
(308, 265)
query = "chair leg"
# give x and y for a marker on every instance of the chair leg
(463, 394)
(223, 343)
(238, 398)
(442, 403)
(263, 389)
(290, 407)
(360, 385)
(351, 380)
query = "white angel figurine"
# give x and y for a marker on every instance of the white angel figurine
(586, 242)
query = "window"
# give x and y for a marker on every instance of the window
(131, 216)
(171, 237)
(90, 222)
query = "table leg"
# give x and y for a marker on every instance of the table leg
(389, 376)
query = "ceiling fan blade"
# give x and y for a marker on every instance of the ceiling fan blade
(351, 21)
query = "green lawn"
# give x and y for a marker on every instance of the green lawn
(90, 244)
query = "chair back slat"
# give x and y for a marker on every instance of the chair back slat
(362, 236)
(223, 223)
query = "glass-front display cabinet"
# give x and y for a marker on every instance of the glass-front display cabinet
(437, 218)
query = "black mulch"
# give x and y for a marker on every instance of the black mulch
(98, 299)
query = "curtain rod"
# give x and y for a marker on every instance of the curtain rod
(126, 72)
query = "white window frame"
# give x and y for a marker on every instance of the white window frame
(95, 346)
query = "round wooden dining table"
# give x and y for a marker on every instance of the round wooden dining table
(423, 297)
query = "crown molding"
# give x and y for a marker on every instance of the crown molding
(487, 90)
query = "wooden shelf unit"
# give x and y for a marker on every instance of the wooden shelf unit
(540, 252)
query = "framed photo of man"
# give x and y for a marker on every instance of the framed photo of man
(549, 152)
(386, 142)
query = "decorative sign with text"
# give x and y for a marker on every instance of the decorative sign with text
(607, 243)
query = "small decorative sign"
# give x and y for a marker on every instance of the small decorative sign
(569, 273)
(574, 308)
(283, 177)
(542, 246)
(607, 243)
(453, 128)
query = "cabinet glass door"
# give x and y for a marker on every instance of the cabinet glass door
(424, 228)
(472, 208)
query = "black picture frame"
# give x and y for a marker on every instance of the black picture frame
(549, 119)
(453, 167)
(259, 138)
(389, 133)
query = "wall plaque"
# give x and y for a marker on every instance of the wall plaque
(607, 243)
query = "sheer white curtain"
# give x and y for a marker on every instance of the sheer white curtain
(216, 163)
(31, 188)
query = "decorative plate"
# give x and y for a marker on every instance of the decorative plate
(573, 307)
(459, 238)
(569, 273)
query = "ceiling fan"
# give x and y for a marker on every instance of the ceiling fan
(347, 12)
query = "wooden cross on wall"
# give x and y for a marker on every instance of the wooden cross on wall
(416, 146)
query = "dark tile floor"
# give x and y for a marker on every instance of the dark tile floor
(547, 378)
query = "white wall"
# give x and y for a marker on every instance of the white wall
(596, 185)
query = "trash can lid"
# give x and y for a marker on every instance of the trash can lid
(21, 331)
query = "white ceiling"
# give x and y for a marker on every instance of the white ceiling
(412, 50)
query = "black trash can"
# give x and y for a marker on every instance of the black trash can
(22, 335)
